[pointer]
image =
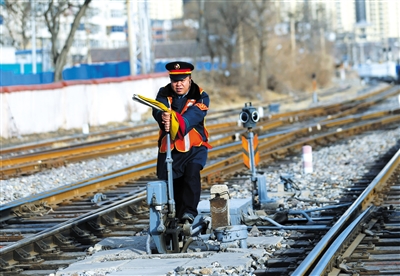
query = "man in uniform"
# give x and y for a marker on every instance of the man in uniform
(190, 148)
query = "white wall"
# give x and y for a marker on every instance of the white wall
(72, 106)
(7, 55)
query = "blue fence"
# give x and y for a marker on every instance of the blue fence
(10, 73)
(97, 71)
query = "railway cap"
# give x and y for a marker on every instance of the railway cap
(178, 70)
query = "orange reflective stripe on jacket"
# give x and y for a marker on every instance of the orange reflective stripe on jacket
(192, 139)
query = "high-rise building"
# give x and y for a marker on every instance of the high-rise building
(381, 18)
(166, 9)
(366, 28)
(105, 25)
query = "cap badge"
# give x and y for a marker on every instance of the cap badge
(177, 66)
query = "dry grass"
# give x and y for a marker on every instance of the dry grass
(285, 77)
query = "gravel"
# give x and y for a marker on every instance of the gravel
(16, 188)
(334, 169)
(331, 165)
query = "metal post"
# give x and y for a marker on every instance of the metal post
(168, 160)
(145, 37)
(87, 30)
(131, 39)
(251, 155)
(42, 45)
(33, 37)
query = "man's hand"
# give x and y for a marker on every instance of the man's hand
(166, 120)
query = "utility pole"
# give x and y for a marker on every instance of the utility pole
(321, 29)
(354, 46)
(200, 31)
(241, 51)
(145, 37)
(33, 10)
(87, 30)
(292, 28)
(131, 38)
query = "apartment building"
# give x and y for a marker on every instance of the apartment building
(105, 24)
(380, 18)
(364, 29)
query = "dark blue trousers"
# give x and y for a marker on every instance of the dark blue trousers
(187, 190)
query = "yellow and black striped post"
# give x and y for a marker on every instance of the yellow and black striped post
(250, 150)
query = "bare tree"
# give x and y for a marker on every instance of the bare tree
(52, 11)
(52, 14)
(231, 15)
(261, 25)
(221, 30)
(16, 19)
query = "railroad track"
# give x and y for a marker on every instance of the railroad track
(369, 245)
(224, 161)
(41, 240)
(24, 164)
(363, 241)
(113, 202)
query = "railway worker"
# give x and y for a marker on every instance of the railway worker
(190, 147)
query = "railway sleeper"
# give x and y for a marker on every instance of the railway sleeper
(281, 262)
(275, 271)
(43, 247)
(376, 268)
(379, 241)
(23, 256)
(372, 249)
(10, 237)
(139, 211)
(64, 243)
(97, 228)
(292, 252)
(389, 229)
(298, 244)
(133, 227)
(49, 265)
(8, 265)
(120, 233)
(121, 214)
(307, 236)
(84, 237)
(123, 226)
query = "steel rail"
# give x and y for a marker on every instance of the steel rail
(365, 93)
(362, 129)
(368, 102)
(18, 165)
(321, 253)
(388, 120)
(92, 215)
(94, 137)
(65, 143)
(133, 143)
(217, 171)
(37, 162)
(144, 128)
(60, 142)
(335, 108)
(271, 147)
(317, 110)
